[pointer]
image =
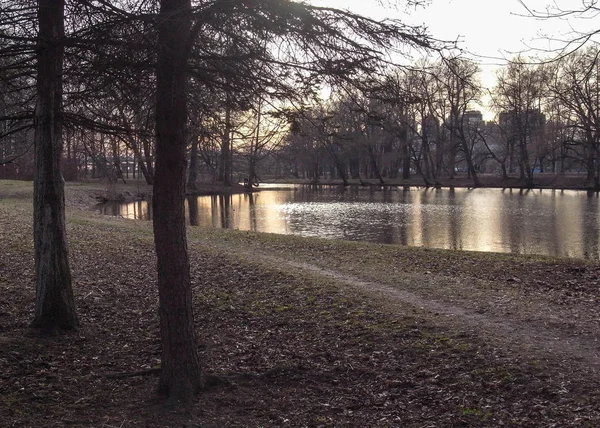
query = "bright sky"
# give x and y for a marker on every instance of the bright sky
(490, 30)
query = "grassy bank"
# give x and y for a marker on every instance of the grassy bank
(306, 332)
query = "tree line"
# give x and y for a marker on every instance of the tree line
(267, 120)
(424, 121)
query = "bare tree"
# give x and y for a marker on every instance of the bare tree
(459, 77)
(576, 85)
(576, 38)
(265, 131)
(517, 97)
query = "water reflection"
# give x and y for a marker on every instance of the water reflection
(132, 210)
(558, 223)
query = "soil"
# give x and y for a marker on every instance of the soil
(305, 332)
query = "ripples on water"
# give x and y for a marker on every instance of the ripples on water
(557, 223)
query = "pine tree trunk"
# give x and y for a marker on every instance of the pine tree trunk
(180, 367)
(54, 304)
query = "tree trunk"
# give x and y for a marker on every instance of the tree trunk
(253, 153)
(341, 169)
(419, 168)
(339, 165)
(406, 161)
(470, 165)
(374, 164)
(193, 211)
(504, 173)
(143, 167)
(139, 159)
(54, 303)
(193, 167)
(147, 166)
(225, 165)
(525, 171)
(426, 156)
(180, 375)
(116, 158)
(315, 172)
(597, 169)
(252, 179)
(452, 159)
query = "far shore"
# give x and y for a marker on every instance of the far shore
(101, 191)
(461, 180)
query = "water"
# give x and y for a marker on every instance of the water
(549, 222)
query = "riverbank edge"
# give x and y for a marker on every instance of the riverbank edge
(546, 181)
(102, 192)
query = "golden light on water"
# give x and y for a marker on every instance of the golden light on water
(557, 223)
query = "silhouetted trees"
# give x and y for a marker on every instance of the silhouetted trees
(576, 88)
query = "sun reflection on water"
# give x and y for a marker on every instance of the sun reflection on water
(557, 223)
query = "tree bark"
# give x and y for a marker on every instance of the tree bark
(181, 375)
(54, 304)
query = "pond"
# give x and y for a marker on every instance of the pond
(550, 222)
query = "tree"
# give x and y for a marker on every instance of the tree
(54, 304)
(180, 376)
(411, 99)
(462, 89)
(576, 86)
(265, 131)
(303, 150)
(517, 96)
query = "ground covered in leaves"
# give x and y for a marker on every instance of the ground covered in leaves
(306, 332)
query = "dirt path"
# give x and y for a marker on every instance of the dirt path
(532, 326)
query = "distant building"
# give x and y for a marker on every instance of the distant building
(430, 128)
(523, 124)
(472, 117)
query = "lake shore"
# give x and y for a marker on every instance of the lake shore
(541, 181)
(304, 332)
(133, 190)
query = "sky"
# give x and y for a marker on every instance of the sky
(490, 31)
